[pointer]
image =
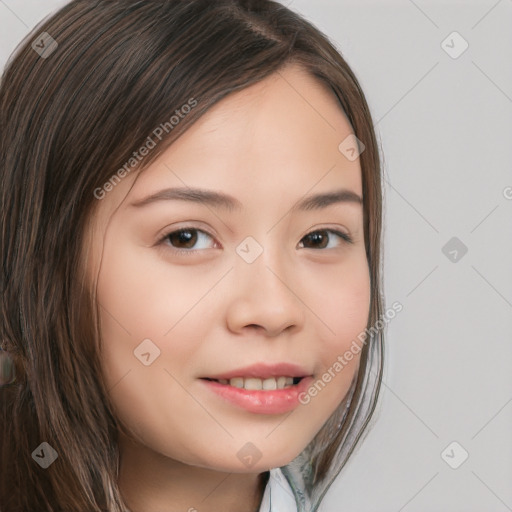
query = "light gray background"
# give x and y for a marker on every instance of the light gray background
(445, 127)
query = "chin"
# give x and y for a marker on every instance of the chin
(248, 460)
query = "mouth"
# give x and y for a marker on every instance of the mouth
(259, 384)
(262, 388)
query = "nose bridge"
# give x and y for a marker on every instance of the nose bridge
(264, 289)
(266, 263)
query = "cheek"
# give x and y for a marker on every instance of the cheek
(343, 308)
(142, 297)
(139, 301)
(340, 300)
(346, 310)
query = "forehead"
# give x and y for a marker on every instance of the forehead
(289, 121)
(276, 139)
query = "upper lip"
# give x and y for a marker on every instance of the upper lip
(263, 371)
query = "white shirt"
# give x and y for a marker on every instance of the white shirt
(278, 495)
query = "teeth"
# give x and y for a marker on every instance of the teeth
(237, 382)
(281, 382)
(269, 383)
(252, 383)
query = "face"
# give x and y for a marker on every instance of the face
(219, 315)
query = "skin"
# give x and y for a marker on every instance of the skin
(210, 311)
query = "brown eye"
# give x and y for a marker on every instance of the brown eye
(321, 238)
(183, 239)
(187, 240)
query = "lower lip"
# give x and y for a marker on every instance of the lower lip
(277, 401)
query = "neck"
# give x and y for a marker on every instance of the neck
(151, 482)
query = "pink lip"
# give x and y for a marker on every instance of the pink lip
(264, 371)
(276, 401)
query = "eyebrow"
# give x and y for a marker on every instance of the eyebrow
(224, 201)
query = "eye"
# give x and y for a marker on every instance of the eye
(185, 240)
(320, 239)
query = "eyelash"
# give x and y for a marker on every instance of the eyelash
(163, 240)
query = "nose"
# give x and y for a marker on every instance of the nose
(265, 297)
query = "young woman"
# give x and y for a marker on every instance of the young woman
(190, 241)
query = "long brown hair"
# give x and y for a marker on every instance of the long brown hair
(69, 118)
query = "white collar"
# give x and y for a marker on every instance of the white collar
(278, 495)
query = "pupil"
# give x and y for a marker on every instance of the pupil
(318, 236)
(184, 237)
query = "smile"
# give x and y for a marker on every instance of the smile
(256, 384)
